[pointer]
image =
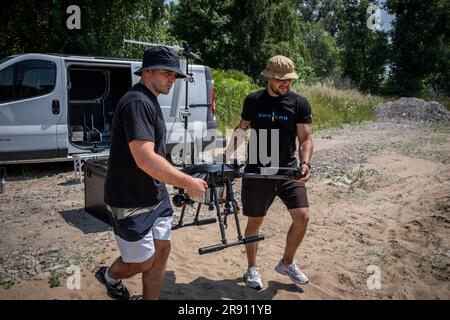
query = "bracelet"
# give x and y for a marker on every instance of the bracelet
(307, 163)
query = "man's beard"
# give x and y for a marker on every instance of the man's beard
(277, 92)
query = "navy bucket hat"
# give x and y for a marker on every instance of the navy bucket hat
(161, 58)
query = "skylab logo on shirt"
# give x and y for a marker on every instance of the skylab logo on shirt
(272, 116)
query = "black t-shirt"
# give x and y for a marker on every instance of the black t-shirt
(282, 113)
(137, 116)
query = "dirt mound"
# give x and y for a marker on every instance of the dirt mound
(411, 109)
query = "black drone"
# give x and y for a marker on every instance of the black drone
(220, 178)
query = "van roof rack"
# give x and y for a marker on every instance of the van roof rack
(91, 57)
(150, 44)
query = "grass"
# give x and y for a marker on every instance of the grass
(364, 179)
(437, 140)
(355, 185)
(441, 128)
(54, 278)
(436, 261)
(445, 101)
(414, 150)
(332, 108)
(6, 284)
(442, 206)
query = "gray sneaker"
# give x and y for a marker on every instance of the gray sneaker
(292, 271)
(253, 278)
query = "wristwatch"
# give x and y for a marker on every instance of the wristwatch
(307, 163)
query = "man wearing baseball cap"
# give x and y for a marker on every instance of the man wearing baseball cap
(136, 196)
(276, 110)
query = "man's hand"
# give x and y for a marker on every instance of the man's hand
(306, 173)
(196, 188)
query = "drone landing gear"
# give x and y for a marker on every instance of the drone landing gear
(229, 208)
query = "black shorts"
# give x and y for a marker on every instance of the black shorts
(258, 195)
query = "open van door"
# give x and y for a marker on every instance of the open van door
(135, 66)
(31, 108)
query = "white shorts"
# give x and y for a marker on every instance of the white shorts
(143, 249)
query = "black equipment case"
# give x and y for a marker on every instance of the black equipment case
(94, 180)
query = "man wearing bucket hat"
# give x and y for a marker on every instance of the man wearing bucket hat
(279, 111)
(136, 196)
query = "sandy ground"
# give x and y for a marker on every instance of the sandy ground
(387, 215)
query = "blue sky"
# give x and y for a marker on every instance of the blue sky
(386, 18)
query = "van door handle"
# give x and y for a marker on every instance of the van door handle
(55, 106)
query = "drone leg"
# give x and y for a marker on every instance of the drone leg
(230, 200)
(197, 213)
(223, 243)
(198, 222)
(180, 221)
(219, 216)
(230, 196)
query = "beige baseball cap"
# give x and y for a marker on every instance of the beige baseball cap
(280, 67)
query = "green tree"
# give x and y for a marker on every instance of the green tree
(420, 45)
(242, 35)
(149, 24)
(263, 29)
(320, 49)
(321, 11)
(40, 26)
(204, 26)
(364, 52)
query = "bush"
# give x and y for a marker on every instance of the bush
(331, 107)
(230, 89)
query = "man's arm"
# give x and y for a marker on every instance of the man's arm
(153, 164)
(305, 150)
(237, 138)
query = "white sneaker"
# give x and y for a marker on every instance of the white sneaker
(292, 271)
(253, 278)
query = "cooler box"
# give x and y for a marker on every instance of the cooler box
(94, 180)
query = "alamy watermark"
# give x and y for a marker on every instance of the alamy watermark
(374, 19)
(374, 280)
(263, 146)
(73, 282)
(74, 20)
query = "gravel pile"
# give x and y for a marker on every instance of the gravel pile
(411, 109)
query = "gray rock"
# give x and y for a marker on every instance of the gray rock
(411, 109)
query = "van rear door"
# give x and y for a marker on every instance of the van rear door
(30, 107)
(197, 103)
(135, 66)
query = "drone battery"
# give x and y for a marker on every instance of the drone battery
(94, 180)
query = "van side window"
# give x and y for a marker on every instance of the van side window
(83, 89)
(6, 84)
(34, 78)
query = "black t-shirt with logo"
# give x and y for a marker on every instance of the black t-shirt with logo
(282, 113)
(137, 116)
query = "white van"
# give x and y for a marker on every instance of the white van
(53, 106)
